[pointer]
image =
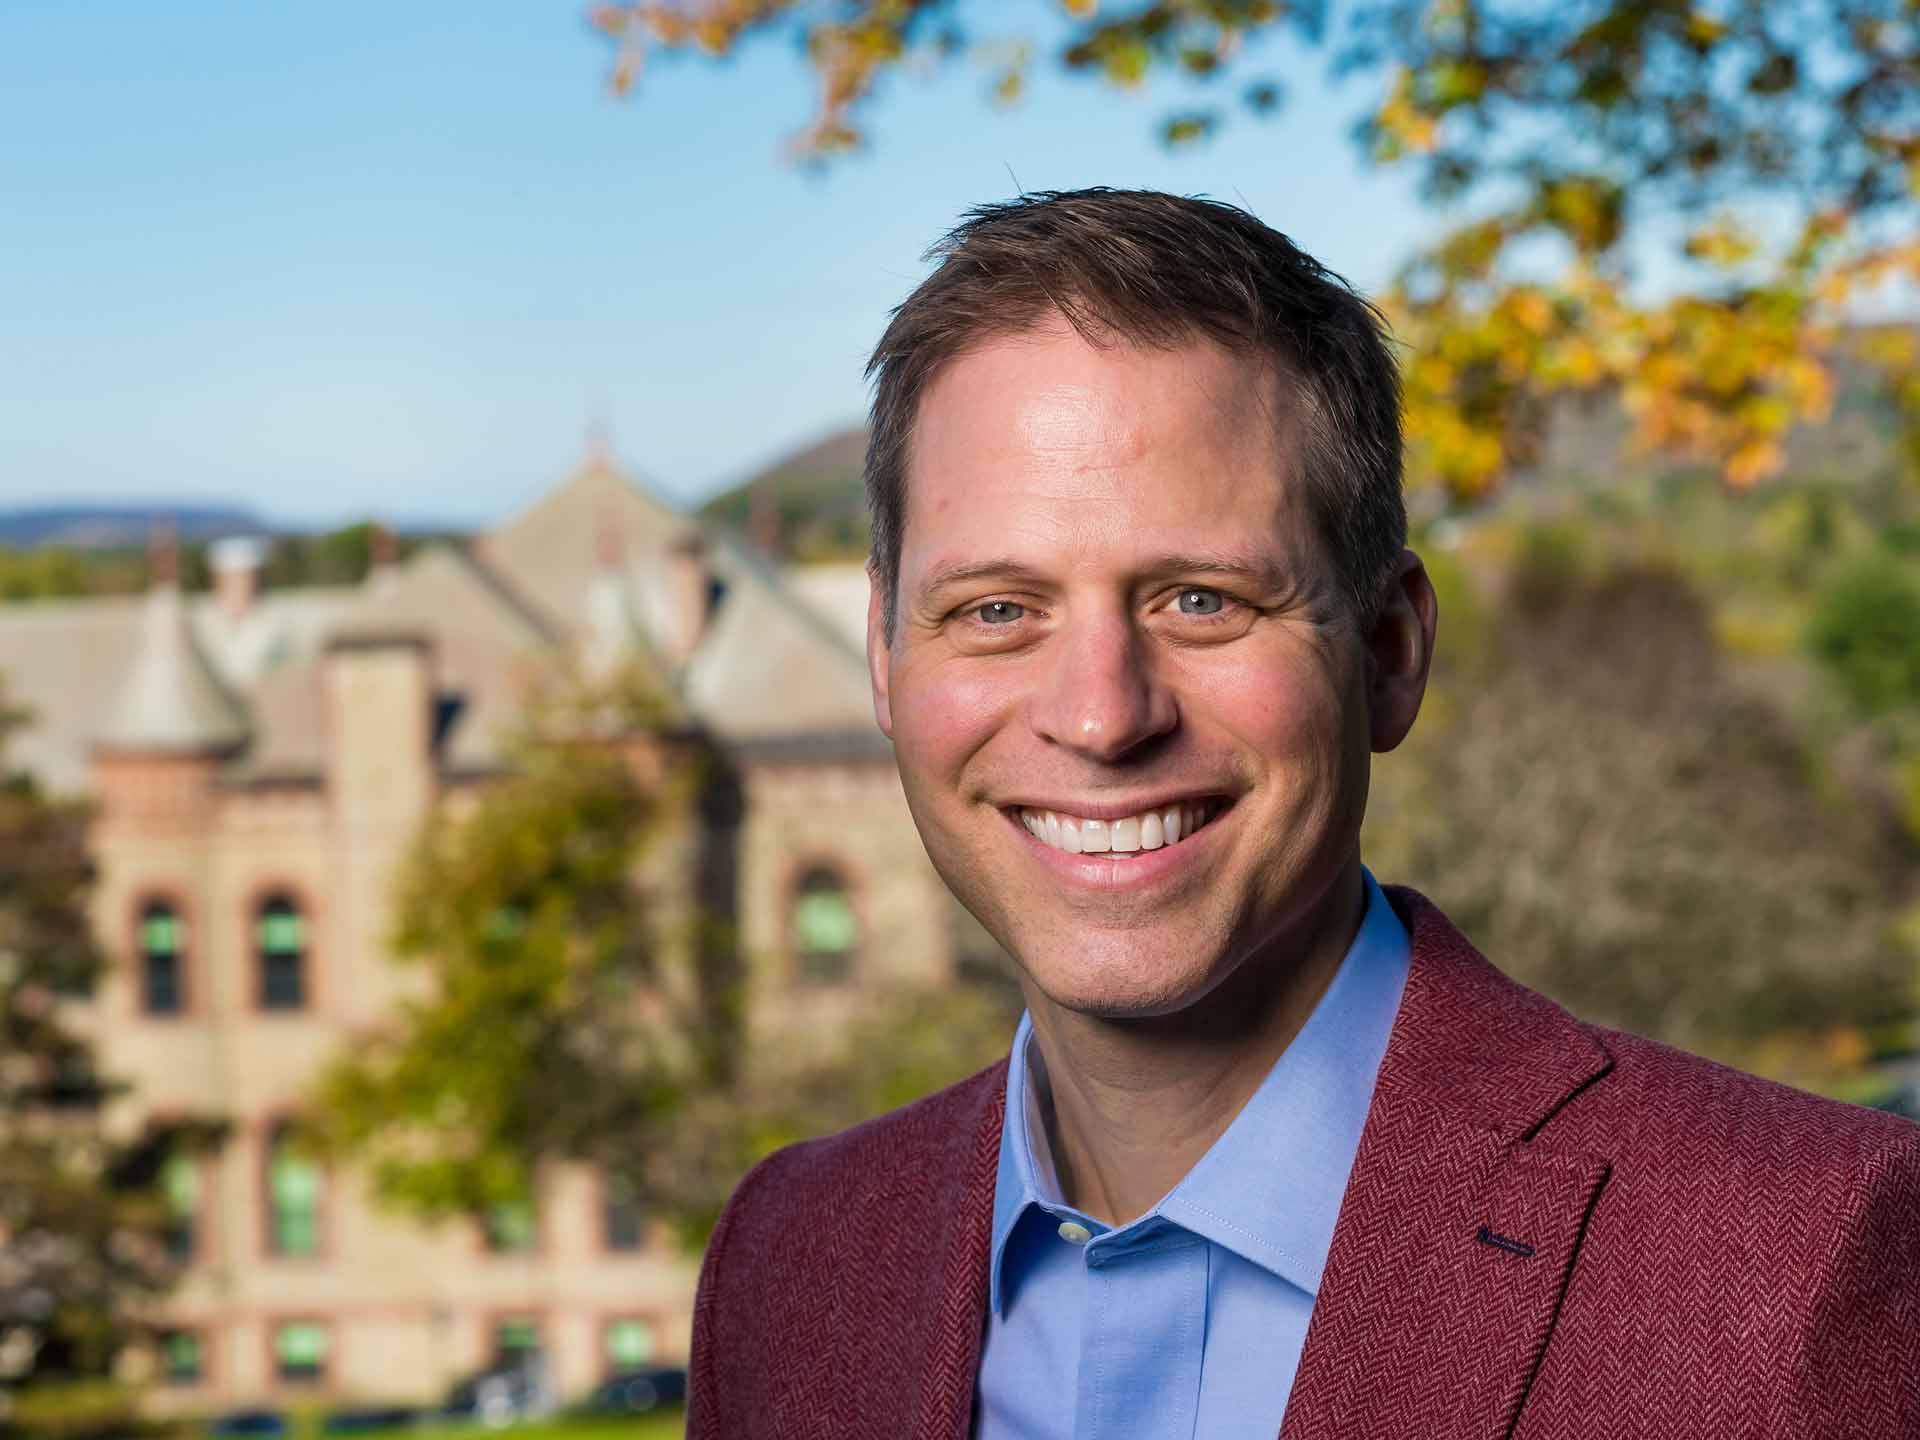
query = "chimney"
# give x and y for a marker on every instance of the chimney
(383, 555)
(379, 696)
(236, 562)
(763, 523)
(689, 595)
(163, 557)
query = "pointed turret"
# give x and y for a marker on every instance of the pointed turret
(170, 700)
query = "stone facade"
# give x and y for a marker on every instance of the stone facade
(244, 899)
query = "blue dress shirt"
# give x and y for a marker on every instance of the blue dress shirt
(1189, 1321)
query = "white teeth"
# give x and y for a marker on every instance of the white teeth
(1149, 830)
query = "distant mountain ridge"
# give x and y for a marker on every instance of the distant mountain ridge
(110, 527)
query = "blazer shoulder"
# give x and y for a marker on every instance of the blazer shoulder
(892, 1155)
(1661, 1112)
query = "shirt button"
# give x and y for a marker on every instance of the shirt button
(1074, 1233)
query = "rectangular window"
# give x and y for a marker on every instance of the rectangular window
(624, 1227)
(629, 1344)
(181, 1362)
(294, 1185)
(300, 1352)
(516, 1339)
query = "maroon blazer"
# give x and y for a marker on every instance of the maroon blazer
(1551, 1231)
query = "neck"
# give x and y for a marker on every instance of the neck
(1130, 1105)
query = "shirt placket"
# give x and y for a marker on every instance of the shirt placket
(1141, 1346)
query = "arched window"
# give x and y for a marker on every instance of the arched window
(824, 929)
(296, 1187)
(280, 937)
(163, 959)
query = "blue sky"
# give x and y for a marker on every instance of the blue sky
(349, 259)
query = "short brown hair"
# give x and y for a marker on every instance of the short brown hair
(1146, 268)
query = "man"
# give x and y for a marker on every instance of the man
(1275, 1151)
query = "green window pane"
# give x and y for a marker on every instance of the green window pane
(629, 1344)
(824, 923)
(293, 1187)
(183, 1357)
(516, 1337)
(160, 932)
(180, 1183)
(301, 1346)
(282, 931)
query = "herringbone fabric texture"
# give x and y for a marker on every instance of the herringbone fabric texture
(1551, 1231)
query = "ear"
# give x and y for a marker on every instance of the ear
(1399, 653)
(879, 657)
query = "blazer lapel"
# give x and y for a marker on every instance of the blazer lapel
(1459, 1227)
(955, 1300)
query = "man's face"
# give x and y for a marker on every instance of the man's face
(1117, 625)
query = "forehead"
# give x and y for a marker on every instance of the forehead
(1091, 454)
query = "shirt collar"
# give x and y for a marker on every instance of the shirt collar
(1269, 1189)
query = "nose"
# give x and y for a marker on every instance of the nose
(1100, 696)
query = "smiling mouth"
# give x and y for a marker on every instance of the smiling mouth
(1129, 835)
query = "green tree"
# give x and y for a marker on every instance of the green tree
(82, 1235)
(1773, 146)
(542, 1022)
(571, 1009)
(1866, 629)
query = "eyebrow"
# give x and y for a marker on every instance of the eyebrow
(1263, 572)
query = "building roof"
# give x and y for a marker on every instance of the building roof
(68, 662)
(578, 583)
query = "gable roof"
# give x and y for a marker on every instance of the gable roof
(546, 552)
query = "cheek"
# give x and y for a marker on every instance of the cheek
(1282, 708)
(945, 711)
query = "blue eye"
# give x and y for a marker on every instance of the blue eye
(1201, 602)
(1000, 612)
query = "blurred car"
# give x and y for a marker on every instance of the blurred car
(249, 1422)
(633, 1392)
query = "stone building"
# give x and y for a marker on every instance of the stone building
(258, 761)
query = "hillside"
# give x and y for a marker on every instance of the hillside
(816, 494)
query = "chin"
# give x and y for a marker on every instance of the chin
(1126, 979)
